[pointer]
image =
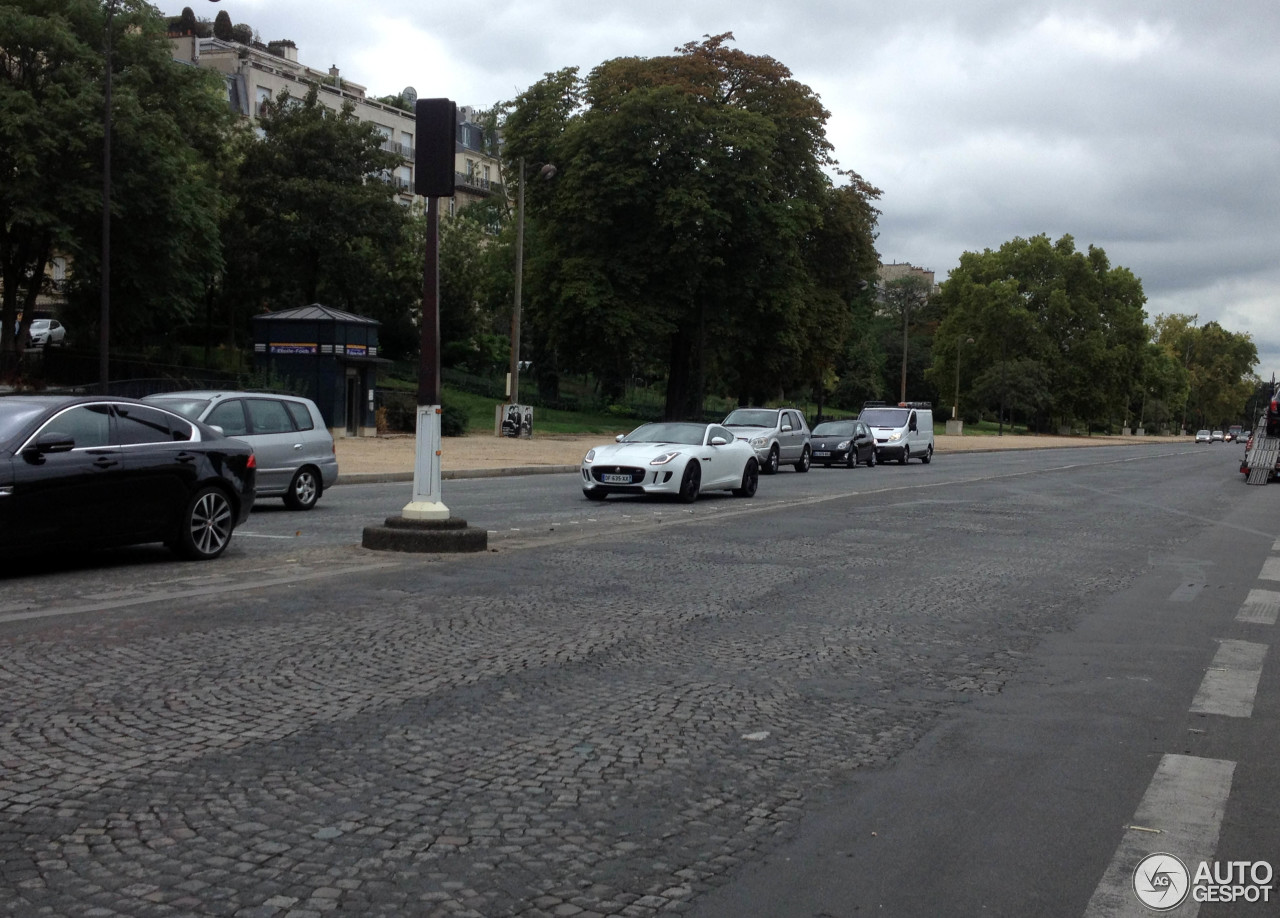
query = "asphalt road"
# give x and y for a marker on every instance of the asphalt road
(987, 686)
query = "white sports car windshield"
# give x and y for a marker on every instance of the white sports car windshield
(690, 434)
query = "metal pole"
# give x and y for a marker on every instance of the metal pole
(514, 369)
(104, 311)
(429, 359)
(906, 310)
(955, 406)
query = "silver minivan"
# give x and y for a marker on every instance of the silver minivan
(293, 447)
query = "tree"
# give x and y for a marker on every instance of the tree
(689, 190)
(308, 224)
(169, 126)
(1078, 319)
(222, 27)
(1217, 368)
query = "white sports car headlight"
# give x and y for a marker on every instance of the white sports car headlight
(589, 457)
(664, 458)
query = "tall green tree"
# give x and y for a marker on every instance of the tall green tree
(169, 126)
(1078, 321)
(689, 189)
(1217, 368)
(311, 221)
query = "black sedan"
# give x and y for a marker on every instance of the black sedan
(96, 472)
(848, 442)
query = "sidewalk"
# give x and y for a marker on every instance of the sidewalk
(390, 457)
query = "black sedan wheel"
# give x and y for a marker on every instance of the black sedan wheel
(304, 490)
(691, 483)
(852, 461)
(871, 459)
(750, 480)
(206, 525)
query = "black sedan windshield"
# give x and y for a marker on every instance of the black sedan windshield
(835, 429)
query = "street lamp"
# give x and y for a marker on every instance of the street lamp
(955, 407)
(548, 172)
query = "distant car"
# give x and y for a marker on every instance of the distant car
(296, 458)
(1203, 436)
(1234, 433)
(681, 459)
(46, 331)
(1218, 436)
(849, 442)
(97, 472)
(778, 435)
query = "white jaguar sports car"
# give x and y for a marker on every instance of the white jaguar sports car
(676, 458)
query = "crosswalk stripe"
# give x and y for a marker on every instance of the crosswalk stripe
(1185, 803)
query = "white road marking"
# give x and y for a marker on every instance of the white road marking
(1231, 683)
(1270, 569)
(1261, 607)
(1184, 802)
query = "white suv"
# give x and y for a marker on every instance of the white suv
(778, 435)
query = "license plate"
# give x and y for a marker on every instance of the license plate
(611, 478)
(822, 454)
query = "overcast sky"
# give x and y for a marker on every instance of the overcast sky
(1149, 129)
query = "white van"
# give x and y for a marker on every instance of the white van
(903, 431)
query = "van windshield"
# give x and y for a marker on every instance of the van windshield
(885, 417)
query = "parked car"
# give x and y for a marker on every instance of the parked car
(296, 458)
(681, 459)
(1218, 436)
(849, 442)
(97, 472)
(903, 432)
(1203, 436)
(46, 331)
(778, 435)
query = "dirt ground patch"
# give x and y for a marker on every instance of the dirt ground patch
(392, 453)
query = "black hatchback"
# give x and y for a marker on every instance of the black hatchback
(843, 442)
(94, 472)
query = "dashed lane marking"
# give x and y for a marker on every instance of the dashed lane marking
(1231, 684)
(1184, 804)
(1261, 607)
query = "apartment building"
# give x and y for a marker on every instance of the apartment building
(255, 75)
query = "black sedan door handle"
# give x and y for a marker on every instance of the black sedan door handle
(185, 457)
(105, 462)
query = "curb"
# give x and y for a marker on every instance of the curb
(383, 477)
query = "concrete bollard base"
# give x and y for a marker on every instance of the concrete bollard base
(452, 535)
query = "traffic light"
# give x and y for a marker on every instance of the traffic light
(433, 167)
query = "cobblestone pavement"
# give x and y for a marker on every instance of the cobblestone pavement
(584, 730)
